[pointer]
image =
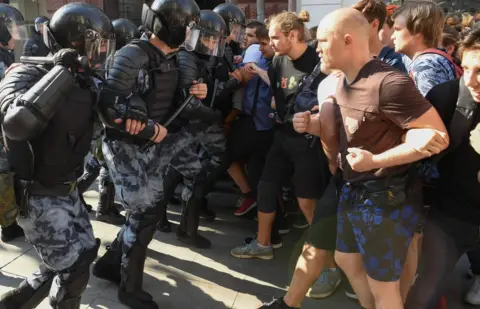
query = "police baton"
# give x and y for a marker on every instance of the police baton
(49, 60)
(173, 117)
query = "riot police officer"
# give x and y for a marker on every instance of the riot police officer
(10, 17)
(137, 96)
(125, 32)
(35, 46)
(48, 129)
(107, 209)
(236, 27)
(206, 40)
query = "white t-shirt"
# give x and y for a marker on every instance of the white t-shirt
(252, 54)
(327, 88)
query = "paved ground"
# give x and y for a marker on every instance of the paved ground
(182, 278)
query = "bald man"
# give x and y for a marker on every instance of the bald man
(378, 105)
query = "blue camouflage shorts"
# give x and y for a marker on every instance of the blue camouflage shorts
(379, 225)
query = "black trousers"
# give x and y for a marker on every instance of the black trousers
(446, 239)
(247, 145)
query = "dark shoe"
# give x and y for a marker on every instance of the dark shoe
(163, 224)
(196, 240)
(108, 266)
(111, 217)
(25, 297)
(131, 293)
(175, 201)
(12, 232)
(88, 207)
(276, 304)
(206, 213)
(187, 231)
(349, 291)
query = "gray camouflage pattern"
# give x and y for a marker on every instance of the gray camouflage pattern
(59, 229)
(138, 180)
(189, 162)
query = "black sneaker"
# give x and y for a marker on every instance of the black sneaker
(276, 304)
(276, 240)
(12, 232)
(283, 225)
(349, 291)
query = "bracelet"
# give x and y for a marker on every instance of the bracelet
(158, 133)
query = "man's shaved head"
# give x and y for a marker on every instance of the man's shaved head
(343, 36)
(346, 21)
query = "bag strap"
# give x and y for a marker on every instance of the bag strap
(456, 69)
(255, 98)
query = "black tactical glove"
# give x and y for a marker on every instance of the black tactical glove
(66, 57)
(136, 110)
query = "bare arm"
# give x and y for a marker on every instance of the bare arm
(263, 75)
(330, 133)
(427, 136)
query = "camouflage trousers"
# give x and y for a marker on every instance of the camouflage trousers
(210, 139)
(60, 231)
(138, 181)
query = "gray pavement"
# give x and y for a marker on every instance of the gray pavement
(184, 278)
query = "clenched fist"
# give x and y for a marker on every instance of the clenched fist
(475, 138)
(301, 121)
(360, 160)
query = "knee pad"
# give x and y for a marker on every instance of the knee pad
(267, 196)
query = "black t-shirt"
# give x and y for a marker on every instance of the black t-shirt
(286, 75)
(458, 192)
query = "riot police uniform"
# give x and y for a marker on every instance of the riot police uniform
(211, 137)
(107, 210)
(47, 119)
(35, 46)
(141, 85)
(10, 229)
(8, 15)
(206, 40)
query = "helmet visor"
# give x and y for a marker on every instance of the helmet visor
(205, 42)
(237, 33)
(100, 52)
(17, 29)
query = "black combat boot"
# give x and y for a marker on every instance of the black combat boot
(12, 232)
(170, 182)
(187, 231)
(131, 293)
(205, 212)
(106, 210)
(24, 296)
(108, 267)
(74, 280)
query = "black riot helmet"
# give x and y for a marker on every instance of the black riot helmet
(85, 28)
(235, 20)
(169, 19)
(208, 36)
(12, 24)
(125, 32)
(39, 21)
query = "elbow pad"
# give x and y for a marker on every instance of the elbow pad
(38, 105)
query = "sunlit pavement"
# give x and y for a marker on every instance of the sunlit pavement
(183, 278)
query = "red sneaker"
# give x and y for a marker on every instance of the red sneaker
(246, 204)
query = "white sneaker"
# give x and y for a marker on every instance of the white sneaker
(473, 295)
